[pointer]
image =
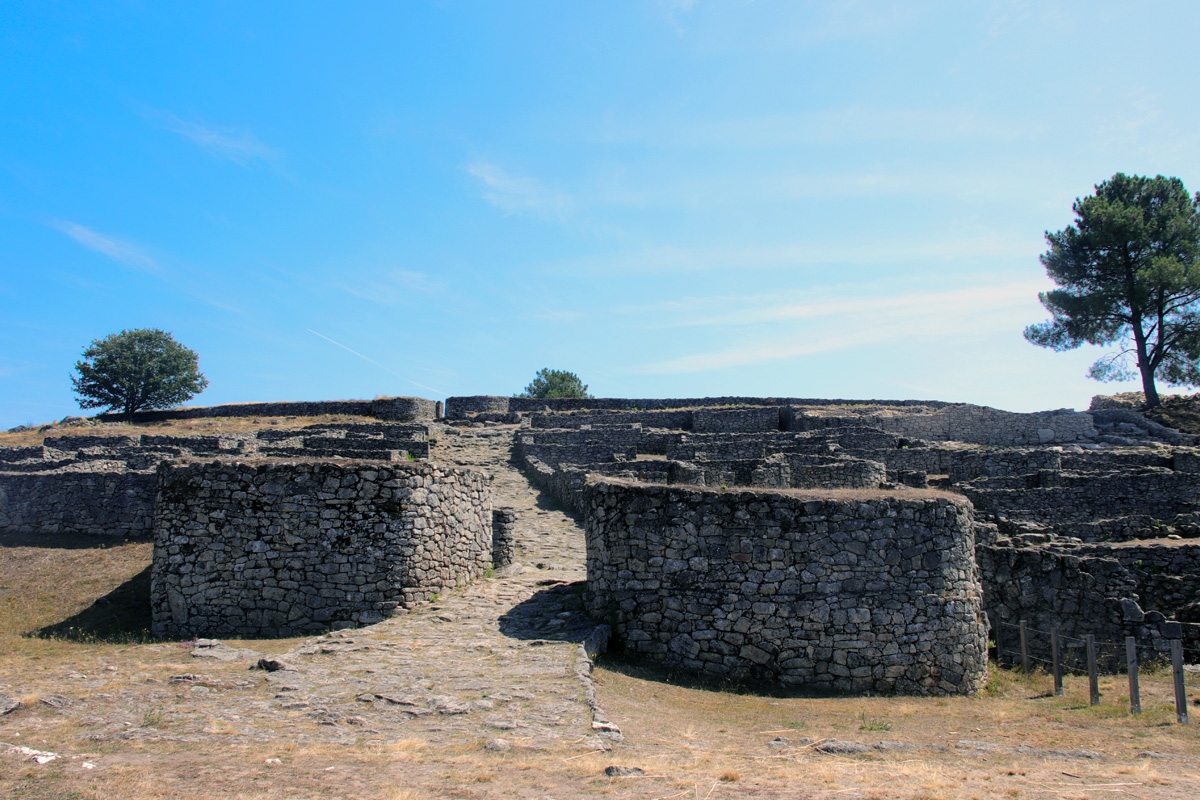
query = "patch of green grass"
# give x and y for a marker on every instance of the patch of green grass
(873, 724)
(153, 717)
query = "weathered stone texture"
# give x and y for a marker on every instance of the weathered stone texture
(287, 548)
(104, 485)
(400, 409)
(1062, 498)
(856, 592)
(92, 502)
(736, 420)
(504, 524)
(984, 425)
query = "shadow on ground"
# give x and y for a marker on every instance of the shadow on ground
(642, 669)
(62, 541)
(122, 615)
(554, 613)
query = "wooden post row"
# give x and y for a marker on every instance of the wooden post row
(1181, 709)
(1135, 695)
(1093, 673)
(1024, 648)
(1054, 654)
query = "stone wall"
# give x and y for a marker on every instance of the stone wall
(966, 465)
(399, 409)
(671, 420)
(504, 524)
(1081, 591)
(276, 548)
(1166, 576)
(984, 425)
(1058, 498)
(861, 591)
(736, 420)
(464, 407)
(73, 501)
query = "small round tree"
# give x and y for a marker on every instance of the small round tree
(135, 370)
(555, 383)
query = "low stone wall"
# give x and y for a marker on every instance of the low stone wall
(1166, 576)
(984, 425)
(463, 407)
(736, 420)
(671, 420)
(73, 501)
(291, 548)
(398, 409)
(504, 524)
(860, 592)
(1079, 590)
(967, 465)
(1083, 498)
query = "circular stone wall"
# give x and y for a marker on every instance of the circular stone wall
(852, 591)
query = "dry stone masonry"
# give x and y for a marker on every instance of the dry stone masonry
(737, 537)
(1055, 495)
(105, 485)
(289, 548)
(855, 591)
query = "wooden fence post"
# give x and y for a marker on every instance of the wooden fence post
(1058, 689)
(1181, 709)
(1135, 695)
(1093, 673)
(1024, 648)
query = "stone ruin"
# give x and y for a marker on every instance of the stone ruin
(843, 545)
(287, 548)
(105, 485)
(1079, 520)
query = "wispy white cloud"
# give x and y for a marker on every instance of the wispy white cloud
(396, 287)
(126, 253)
(675, 259)
(559, 315)
(675, 11)
(517, 193)
(841, 320)
(820, 127)
(416, 281)
(857, 19)
(830, 302)
(232, 144)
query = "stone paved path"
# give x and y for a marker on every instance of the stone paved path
(497, 661)
(494, 659)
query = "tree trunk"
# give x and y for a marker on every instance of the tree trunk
(1148, 387)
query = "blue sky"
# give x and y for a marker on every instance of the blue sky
(841, 199)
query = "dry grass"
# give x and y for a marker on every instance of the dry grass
(691, 742)
(211, 426)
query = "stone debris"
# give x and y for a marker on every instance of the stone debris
(1026, 750)
(8, 704)
(36, 756)
(841, 747)
(219, 651)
